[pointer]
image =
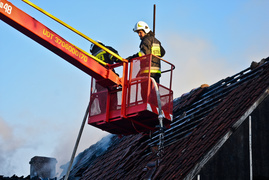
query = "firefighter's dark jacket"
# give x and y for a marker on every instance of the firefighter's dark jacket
(146, 48)
(103, 55)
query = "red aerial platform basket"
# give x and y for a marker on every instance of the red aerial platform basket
(133, 107)
(126, 105)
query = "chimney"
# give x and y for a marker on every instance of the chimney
(43, 167)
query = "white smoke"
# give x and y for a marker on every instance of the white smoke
(93, 151)
(9, 144)
(68, 137)
(197, 62)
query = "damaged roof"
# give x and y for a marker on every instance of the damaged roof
(204, 119)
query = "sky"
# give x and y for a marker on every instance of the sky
(43, 98)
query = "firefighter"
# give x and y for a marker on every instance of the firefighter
(149, 45)
(107, 58)
(102, 54)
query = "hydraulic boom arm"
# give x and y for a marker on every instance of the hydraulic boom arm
(52, 41)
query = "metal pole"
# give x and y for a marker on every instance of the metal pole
(154, 17)
(77, 142)
(250, 151)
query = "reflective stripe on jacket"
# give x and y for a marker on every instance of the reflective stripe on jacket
(156, 49)
(100, 55)
(152, 70)
(103, 55)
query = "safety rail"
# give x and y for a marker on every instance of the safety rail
(77, 32)
(136, 77)
(133, 107)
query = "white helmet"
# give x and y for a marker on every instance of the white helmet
(141, 25)
(92, 45)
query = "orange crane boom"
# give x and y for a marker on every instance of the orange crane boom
(54, 42)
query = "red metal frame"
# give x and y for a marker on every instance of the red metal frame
(136, 114)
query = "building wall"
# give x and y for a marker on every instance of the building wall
(260, 145)
(232, 161)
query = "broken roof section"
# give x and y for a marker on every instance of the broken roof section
(203, 120)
